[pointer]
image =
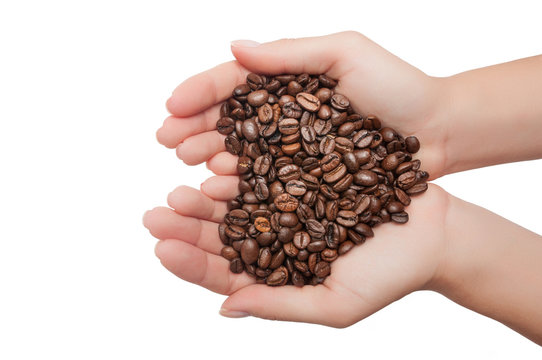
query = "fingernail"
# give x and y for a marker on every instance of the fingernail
(245, 43)
(233, 313)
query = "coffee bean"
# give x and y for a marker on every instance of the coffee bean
(347, 218)
(412, 144)
(365, 178)
(308, 101)
(340, 102)
(225, 125)
(278, 277)
(238, 217)
(314, 177)
(322, 269)
(296, 187)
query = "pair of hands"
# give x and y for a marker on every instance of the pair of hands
(396, 262)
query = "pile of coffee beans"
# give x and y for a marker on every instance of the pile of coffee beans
(315, 177)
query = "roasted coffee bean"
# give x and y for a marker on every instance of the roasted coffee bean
(296, 187)
(236, 266)
(330, 161)
(336, 174)
(278, 277)
(288, 173)
(400, 217)
(412, 144)
(238, 217)
(340, 102)
(365, 178)
(314, 177)
(347, 218)
(315, 228)
(322, 269)
(225, 125)
(308, 101)
(250, 129)
(417, 189)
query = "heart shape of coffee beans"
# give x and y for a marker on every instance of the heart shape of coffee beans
(314, 177)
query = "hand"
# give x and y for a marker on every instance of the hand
(375, 81)
(400, 259)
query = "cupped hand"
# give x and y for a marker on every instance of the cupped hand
(400, 259)
(376, 82)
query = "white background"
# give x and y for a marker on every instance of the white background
(82, 91)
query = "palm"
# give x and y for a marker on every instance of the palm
(399, 260)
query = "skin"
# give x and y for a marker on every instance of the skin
(474, 257)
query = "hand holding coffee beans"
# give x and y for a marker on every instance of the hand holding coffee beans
(315, 177)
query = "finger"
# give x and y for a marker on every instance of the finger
(197, 266)
(175, 129)
(191, 202)
(313, 304)
(221, 187)
(164, 223)
(314, 55)
(223, 163)
(206, 89)
(199, 148)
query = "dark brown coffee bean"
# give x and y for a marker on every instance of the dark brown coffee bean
(288, 126)
(400, 217)
(345, 247)
(346, 129)
(309, 180)
(340, 102)
(322, 269)
(238, 217)
(286, 202)
(249, 251)
(250, 198)
(315, 229)
(351, 162)
(347, 218)
(236, 266)
(362, 139)
(417, 189)
(332, 207)
(388, 134)
(412, 144)
(329, 255)
(336, 174)
(330, 161)
(365, 178)
(258, 97)
(308, 101)
(264, 259)
(327, 145)
(233, 145)
(266, 238)
(304, 212)
(308, 134)
(344, 183)
(301, 240)
(250, 129)
(229, 253)
(316, 246)
(262, 164)
(394, 207)
(235, 232)
(390, 162)
(404, 167)
(298, 279)
(225, 125)
(289, 172)
(288, 219)
(278, 258)
(296, 187)
(290, 249)
(309, 164)
(292, 110)
(324, 112)
(294, 88)
(332, 235)
(343, 145)
(278, 277)
(222, 234)
(407, 180)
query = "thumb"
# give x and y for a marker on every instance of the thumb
(315, 55)
(312, 304)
